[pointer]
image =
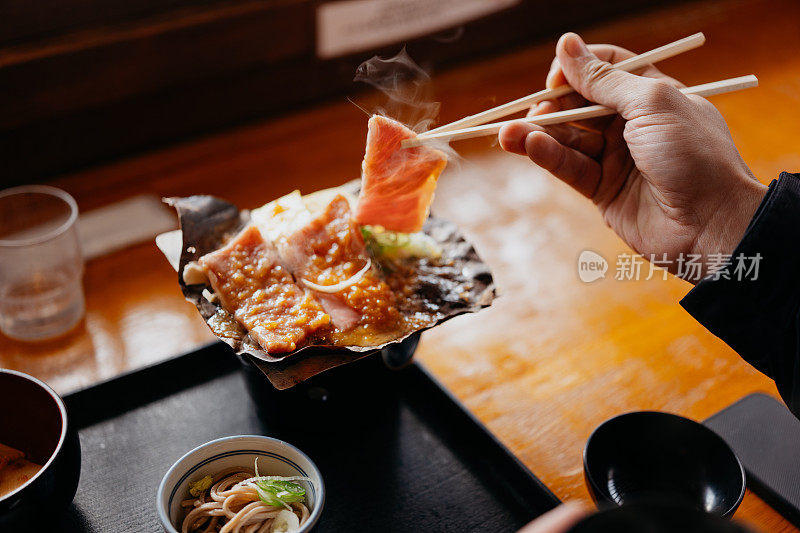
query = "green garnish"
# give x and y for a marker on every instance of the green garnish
(393, 245)
(196, 488)
(280, 493)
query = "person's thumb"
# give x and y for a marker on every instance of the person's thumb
(598, 81)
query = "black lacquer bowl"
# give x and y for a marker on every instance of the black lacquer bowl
(648, 456)
(346, 396)
(33, 419)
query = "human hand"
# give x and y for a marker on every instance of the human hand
(664, 172)
(559, 520)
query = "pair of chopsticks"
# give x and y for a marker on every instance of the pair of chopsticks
(475, 125)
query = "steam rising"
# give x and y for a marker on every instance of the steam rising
(407, 88)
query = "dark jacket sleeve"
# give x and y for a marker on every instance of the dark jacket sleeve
(756, 310)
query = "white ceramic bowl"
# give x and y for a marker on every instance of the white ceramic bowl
(275, 458)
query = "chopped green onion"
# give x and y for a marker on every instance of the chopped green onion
(277, 491)
(280, 493)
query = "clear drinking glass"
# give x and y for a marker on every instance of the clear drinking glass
(41, 290)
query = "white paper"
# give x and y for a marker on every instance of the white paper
(355, 25)
(122, 224)
(170, 244)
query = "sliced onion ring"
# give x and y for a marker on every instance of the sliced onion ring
(330, 289)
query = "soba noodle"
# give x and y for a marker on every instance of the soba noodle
(235, 503)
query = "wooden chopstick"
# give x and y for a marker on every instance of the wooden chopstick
(581, 113)
(648, 58)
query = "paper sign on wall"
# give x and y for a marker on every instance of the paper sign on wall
(354, 25)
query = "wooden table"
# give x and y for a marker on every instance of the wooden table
(553, 357)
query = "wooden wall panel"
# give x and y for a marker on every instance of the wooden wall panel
(137, 80)
(26, 20)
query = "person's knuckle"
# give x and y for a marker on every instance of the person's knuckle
(578, 139)
(559, 164)
(660, 92)
(595, 71)
(707, 110)
(532, 146)
(573, 138)
(703, 104)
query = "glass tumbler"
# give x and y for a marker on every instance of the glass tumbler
(41, 267)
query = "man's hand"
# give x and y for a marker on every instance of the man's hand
(664, 172)
(559, 520)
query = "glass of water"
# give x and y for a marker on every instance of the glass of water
(41, 267)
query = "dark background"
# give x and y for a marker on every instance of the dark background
(87, 81)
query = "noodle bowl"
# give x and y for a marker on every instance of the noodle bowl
(233, 505)
(223, 486)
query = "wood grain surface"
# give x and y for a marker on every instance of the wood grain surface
(96, 80)
(553, 357)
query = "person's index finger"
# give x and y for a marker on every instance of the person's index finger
(555, 78)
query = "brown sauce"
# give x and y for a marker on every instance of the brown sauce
(262, 295)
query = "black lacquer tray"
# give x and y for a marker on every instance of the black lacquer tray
(400, 454)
